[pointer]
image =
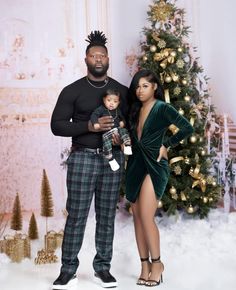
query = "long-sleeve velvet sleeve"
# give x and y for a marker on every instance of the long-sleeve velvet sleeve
(185, 128)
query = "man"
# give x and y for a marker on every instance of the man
(88, 172)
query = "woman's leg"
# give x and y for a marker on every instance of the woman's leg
(147, 210)
(141, 243)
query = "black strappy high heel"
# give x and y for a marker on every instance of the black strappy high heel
(141, 281)
(151, 282)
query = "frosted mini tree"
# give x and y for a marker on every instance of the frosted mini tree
(33, 228)
(16, 219)
(192, 186)
(46, 199)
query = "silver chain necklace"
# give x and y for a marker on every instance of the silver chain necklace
(98, 87)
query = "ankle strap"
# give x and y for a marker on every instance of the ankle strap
(144, 259)
(157, 260)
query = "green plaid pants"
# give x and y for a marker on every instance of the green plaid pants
(89, 174)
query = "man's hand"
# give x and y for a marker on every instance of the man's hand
(106, 123)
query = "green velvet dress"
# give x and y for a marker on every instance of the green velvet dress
(143, 161)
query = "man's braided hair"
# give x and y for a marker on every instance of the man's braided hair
(96, 38)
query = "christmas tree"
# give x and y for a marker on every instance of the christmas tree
(192, 186)
(33, 228)
(46, 199)
(16, 219)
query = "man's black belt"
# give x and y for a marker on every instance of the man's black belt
(91, 150)
(87, 150)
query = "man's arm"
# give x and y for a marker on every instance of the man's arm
(61, 124)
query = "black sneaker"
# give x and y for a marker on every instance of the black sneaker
(108, 281)
(64, 281)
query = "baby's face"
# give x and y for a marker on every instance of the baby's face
(111, 102)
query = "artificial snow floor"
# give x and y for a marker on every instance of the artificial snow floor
(198, 255)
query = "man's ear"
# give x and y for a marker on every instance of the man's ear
(155, 87)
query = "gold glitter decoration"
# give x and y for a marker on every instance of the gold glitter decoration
(180, 63)
(161, 11)
(161, 43)
(177, 170)
(177, 91)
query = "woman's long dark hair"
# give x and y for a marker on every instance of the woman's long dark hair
(134, 103)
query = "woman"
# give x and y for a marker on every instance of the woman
(147, 169)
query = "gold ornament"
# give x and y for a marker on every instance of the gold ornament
(167, 96)
(177, 170)
(193, 139)
(190, 209)
(176, 159)
(210, 199)
(173, 53)
(159, 204)
(182, 141)
(187, 98)
(177, 91)
(203, 152)
(181, 111)
(163, 64)
(186, 160)
(175, 77)
(214, 184)
(200, 178)
(173, 129)
(168, 79)
(161, 44)
(153, 48)
(180, 63)
(161, 11)
(205, 199)
(180, 49)
(45, 257)
(184, 82)
(172, 190)
(145, 58)
(183, 196)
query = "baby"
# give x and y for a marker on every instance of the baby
(110, 107)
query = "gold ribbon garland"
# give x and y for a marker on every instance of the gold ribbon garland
(200, 178)
(176, 159)
(167, 96)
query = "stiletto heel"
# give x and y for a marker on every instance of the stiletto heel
(142, 281)
(151, 282)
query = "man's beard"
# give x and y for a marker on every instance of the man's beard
(97, 72)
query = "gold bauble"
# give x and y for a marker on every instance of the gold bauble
(153, 48)
(205, 199)
(173, 53)
(193, 139)
(168, 79)
(180, 49)
(210, 199)
(214, 183)
(159, 204)
(203, 152)
(181, 111)
(172, 190)
(187, 98)
(182, 141)
(184, 82)
(190, 209)
(201, 139)
(145, 58)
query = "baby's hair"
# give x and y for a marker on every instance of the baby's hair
(111, 92)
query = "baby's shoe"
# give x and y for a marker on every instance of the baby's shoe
(114, 165)
(127, 150)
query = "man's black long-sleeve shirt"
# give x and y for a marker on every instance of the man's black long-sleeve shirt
(74, 107)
